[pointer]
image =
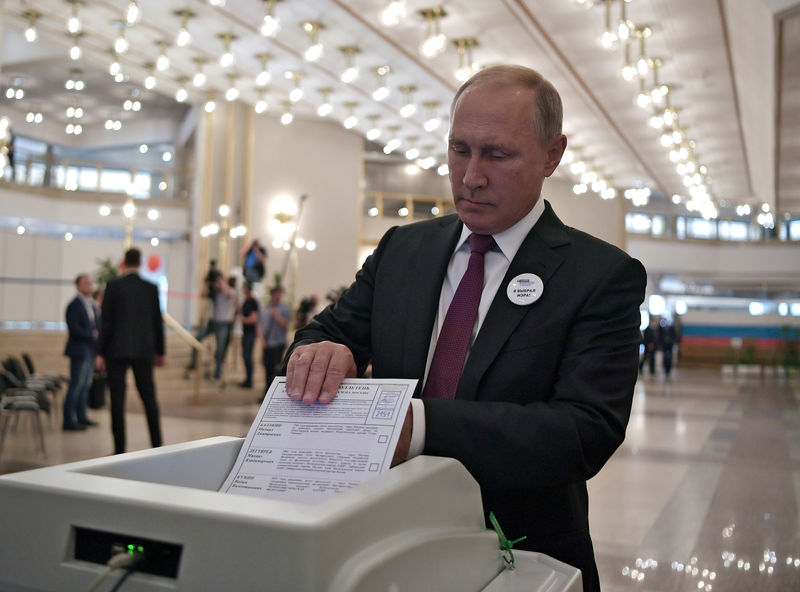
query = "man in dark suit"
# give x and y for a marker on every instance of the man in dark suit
(544, 396)
(132, 335)
(81, 348)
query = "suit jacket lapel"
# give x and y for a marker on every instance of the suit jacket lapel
(432, 256)
(536, 255)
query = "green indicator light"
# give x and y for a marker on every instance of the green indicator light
(131, 547)
(140, 549)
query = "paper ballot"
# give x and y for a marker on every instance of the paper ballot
(308, 453)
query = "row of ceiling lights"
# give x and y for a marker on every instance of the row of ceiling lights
(434, 43)
(655, 97)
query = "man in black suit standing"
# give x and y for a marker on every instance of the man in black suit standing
(81, 349)
(541, 393)
(132, 335)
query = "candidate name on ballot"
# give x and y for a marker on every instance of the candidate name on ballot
(308, 453)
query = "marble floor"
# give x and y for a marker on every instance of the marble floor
(703, 494)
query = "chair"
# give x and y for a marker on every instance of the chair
(39, 392)
(15, 401)
(60, 379)
(13, 366)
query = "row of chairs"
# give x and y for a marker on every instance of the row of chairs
(23, 391)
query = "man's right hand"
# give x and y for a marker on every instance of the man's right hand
(315, 371)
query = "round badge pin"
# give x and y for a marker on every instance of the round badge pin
(525, 289)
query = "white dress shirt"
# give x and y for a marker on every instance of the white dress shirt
(496, 263)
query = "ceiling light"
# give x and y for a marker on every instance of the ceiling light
(466, 67)
(443, 170)
(351, 71)
(75, 80)
(412, 153)
(435, 41)
(152, 214)
(643, 99)
(133, 14)
(624, 27)
(15, 91)
(261, 104)
(34, 117)
(395, 142)
(628, 71)
(162, 62)
(287, 117)
(75, 50)
(181, 94)
(150, 79)
(232, 93)
(409, 108)
(297, 92)
(395, 11)
(166, 156)
(351, 121)
(74, 24)
(183, 38)
(382, 91)
(434, 121)
(143, 148)
(609, 38)
(374, 132)
(227, 59)
(67, 236)
(120, 43)
(199, 78)
(644, 63)
(264, 76)
(210, 105)
(271, 24)
(20, 230)
(114, 67)
(325, 108)
(314, 51)
(31, 33)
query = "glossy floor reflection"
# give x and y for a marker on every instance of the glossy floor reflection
(703, 494)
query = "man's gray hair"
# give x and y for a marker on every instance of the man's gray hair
(549, 111)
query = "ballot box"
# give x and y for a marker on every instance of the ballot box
(416, 527)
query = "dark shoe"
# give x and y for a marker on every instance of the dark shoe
(245, 384)
(88, 423)
(73, 427)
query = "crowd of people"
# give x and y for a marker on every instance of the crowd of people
(120, 326)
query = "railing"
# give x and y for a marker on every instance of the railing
(190, 340)
(152, 181)
(659, 225)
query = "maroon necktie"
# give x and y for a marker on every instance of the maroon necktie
(454, 338)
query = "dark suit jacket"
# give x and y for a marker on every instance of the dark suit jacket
(545, 394)
(132, 326)
(81, 341)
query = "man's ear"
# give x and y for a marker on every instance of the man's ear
(555, 150)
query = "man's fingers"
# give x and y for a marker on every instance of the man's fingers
(297, 372)
(315, 371)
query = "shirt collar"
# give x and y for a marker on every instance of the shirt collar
(510, 240)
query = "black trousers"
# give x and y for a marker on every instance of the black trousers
(143, 375)
(272, 358)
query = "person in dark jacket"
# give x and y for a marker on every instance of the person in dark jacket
(132, 335)
(82, 317)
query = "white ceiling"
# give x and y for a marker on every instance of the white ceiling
(733, 67)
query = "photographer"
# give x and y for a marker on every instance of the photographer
(254, 262)
(210, 289)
